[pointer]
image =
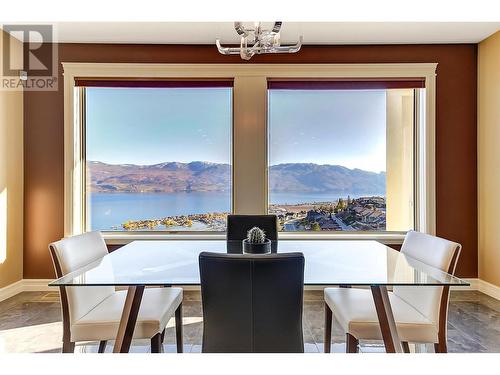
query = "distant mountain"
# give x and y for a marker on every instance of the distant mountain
(204, 176)
(316, 178)
(159, 178)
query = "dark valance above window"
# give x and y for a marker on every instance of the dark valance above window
(347, 84)
(153, 83)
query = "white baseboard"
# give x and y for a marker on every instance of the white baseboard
(473, 285)
(25, 285)
(481, 286)
(11, 290)
(488, 288)
(38, 285)
(41, 285)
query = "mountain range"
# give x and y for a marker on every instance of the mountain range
(201, 176)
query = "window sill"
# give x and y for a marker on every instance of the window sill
(392, 238)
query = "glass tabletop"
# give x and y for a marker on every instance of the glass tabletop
(331, 262)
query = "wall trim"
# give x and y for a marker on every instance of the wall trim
(41, 285)
(38, 285)
(391, 238)
(488, 288)
(474, 285)
(11, 290)
(25, 285)
(481, 286)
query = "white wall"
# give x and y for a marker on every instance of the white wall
(399, 160)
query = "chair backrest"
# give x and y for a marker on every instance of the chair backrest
(72, 253)
(238, 226)
(252, 303)
(436, 252)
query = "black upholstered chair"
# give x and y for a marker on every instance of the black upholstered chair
(238, 226)
(252, 303)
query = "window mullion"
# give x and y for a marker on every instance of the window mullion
(250, 145)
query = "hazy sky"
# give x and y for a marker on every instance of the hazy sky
(147, 126)
(328, 127)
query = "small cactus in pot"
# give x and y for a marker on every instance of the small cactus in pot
(256, 235)
(256, 242)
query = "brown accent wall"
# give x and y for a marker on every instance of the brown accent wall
(11, 175)
(456, 181)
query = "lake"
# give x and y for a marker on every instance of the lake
(294, 198)
(110, 210)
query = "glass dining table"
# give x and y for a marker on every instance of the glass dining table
(343, 263)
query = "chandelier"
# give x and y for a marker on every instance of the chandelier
(256, 41)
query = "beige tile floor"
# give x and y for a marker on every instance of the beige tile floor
(31, 322)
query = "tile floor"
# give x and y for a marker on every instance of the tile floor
(31, 322)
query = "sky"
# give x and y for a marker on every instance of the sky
(341, 127)
(148, 126)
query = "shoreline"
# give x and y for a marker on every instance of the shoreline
(216, 221)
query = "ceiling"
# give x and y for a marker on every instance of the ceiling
(313, 32)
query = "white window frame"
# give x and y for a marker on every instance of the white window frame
(250, 187)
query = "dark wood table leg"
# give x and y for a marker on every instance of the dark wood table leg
(178, 329)
(328, 329)
(386, 319)
(128, 319)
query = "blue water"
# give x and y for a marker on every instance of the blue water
(109, 210)
(293, 198)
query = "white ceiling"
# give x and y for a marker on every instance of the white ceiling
(313, 32)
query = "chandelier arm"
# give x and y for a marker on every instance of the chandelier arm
(263, 41)
(240, 29)
(289, 49)
(227, 50)
(230, 51)
(259, 50)
(277, 27)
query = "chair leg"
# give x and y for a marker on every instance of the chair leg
(156, 343)
(406, 347)
(68, 347)
(163, 335)
(102, 346)
(328, 329)
(441, 347)
(178, 329)
(351, 344)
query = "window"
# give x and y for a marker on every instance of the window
(158, 156)
(341, 155)
(170, 156)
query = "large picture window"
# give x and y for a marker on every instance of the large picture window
(158, 157)
(341, 155)
(158, 151)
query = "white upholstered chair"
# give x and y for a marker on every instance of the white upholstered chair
(420, 313)
(92, 313)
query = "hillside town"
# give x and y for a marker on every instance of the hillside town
(215, 221)
(361, 214)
